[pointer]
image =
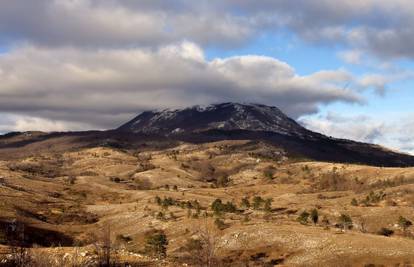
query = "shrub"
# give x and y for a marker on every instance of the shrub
(245, 202)
(160, 216)
(303, 217)
(223, 181)
(71, 179)
(220, 224)
(158, 200)
(385, 232)
(257, 202)
(325, 221)
(115, 179)
(219, 207)
(354, 202)
(123, 238)
(404, 223)
(269, 173)
(314, 216)
(268, 205)
(156, 243)
(345, 221)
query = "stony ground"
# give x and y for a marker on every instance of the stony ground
(75, 196)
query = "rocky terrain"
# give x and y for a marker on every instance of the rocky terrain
(147, 199)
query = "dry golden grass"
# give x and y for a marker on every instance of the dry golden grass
(76, 194)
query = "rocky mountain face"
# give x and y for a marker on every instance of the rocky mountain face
(225, 117)
(234, 121)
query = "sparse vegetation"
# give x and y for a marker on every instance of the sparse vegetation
(219, 207)
(314, 215)
(354, 202)
(385, 232)
(245, 203)
(156, 243)
(241, 198)
(404, 223)
(220, 224)
(303, 217)
(258, 202)
(345, 221)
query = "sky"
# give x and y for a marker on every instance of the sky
(343, 68)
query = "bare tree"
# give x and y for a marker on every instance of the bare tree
(16, 237)
(203, 247)
(104, 248)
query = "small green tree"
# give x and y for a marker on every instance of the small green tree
(314, 216)
(230, 207)
(158, 200)
(303, 217)
(156, 243)
(217, 206)
(245, 203)
(257, 202)
(404, 223)
(269, 173)
(161, 216)
(268, 205)
(345, 221)
(325, 221)
(354, 202)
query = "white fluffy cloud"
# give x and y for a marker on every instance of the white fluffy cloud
(363, 128)
(13, 122)
(106, 87)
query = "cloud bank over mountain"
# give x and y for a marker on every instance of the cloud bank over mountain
(75, 64)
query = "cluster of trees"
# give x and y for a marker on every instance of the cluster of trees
(344, 220)
(169, 201)
(219, 207)
(258, 203)
(305, 216)
(371, 199)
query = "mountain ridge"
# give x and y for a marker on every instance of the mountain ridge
(219, 122)
(224, 116)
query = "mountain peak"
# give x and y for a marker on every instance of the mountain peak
(224, 116)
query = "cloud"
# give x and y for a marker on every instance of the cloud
(351, 57)
(107, 86)
(13, 122)
(363, 128)
(379, 27)
(107, 23)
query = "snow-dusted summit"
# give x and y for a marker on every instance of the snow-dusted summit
(226, 116)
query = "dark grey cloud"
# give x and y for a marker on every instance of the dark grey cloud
(108, 23)
(379, 27)
(105, 87)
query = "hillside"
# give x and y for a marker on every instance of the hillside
(234, 121)
(70, 198)
(226, 185)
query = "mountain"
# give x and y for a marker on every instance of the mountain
(263, 125)
(225, 117)
(235, 121)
